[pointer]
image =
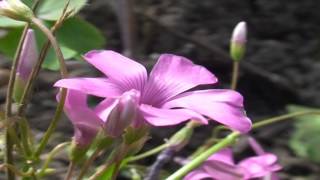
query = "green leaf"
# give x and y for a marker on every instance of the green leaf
(79, 35)
(306, 137)
(52, 9)
(52, 62)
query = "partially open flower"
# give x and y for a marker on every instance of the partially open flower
(15, 9)
(28, 58)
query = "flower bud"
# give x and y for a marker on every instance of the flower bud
(238, 41)
(123, 113)
(181, 138)
(27, 59)
(15, 9)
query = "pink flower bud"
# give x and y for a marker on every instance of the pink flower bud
(28, 58)
(238, 41)
(123, 113)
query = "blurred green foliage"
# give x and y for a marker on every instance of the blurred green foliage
(75, 37)
(306, 136)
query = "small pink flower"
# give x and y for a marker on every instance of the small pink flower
(221, 166)
(165, 96)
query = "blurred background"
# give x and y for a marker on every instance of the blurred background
(281, 66)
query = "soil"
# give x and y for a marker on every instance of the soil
(281, 65)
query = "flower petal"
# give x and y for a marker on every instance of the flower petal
(101, 87)
(224, 106)
(197, 174)
(166, 117)
(104, 108)
(173, 75)
(259, 166)
(123, 71)
(224, 155)
(85, 121)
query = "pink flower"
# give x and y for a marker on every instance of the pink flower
(221, 166)
(165, 96)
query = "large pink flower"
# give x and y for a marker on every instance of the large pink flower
(221, 166)
(164, 96)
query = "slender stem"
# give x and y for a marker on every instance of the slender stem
(70, 171)
(87, 164)
(23, 127)
(51, 155)
(16, 171)
(64, 74)
(148, 153)
(116, 170)
(230, 139)
(282, 117)
(55, 45)
(8, 113)
(53, 123)
(235, 74)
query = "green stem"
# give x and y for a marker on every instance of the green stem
(230, 139)
(282, 117)
(8, 110)
(16, 171)
(55, 45)
(148, 153)
(235, 74)
(87, 164)
(53, 124)
(51, 155)
(64, 74)
(24, 129)
(70, 171)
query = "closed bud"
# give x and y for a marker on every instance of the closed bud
(27, 59)
(181, 138)
(123, 113)
(15, 9)
(238, 41)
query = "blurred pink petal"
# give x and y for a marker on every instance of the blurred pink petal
(220, 166)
